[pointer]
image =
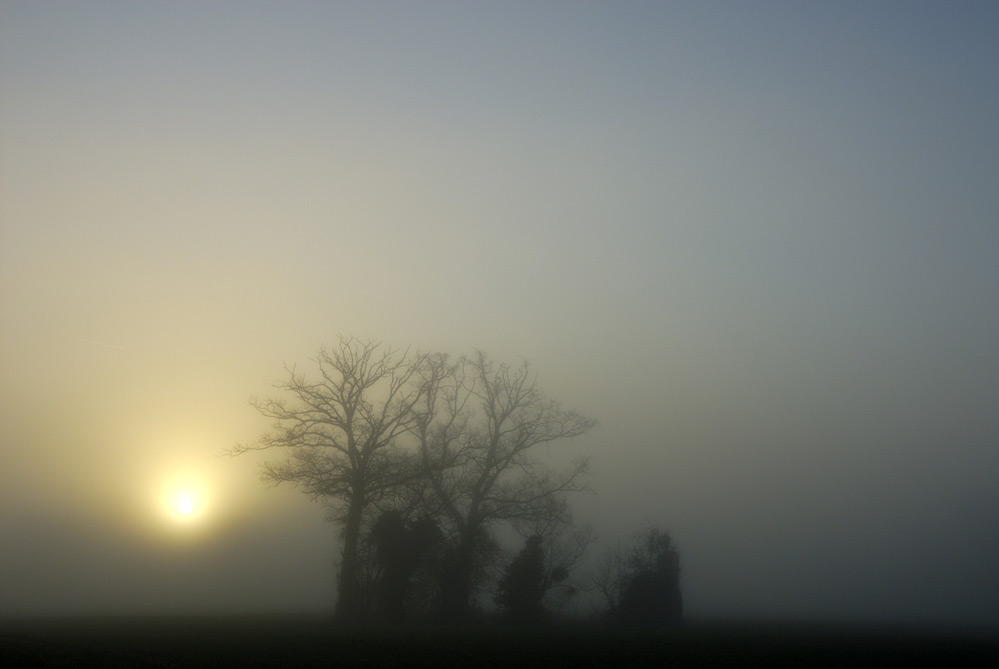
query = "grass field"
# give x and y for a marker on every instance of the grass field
(311, 641)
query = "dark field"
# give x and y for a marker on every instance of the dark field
(311, 641)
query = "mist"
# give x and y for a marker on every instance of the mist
(755, 242)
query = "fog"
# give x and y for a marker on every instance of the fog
(756, 242)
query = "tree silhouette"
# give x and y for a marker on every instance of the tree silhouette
(478, 446)
(400, 548)
(642, 587)
(524, 583)
(342, 431)
(419, 437)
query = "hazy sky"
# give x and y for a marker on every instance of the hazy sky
(758, 241)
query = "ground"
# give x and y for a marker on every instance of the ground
(312, 641)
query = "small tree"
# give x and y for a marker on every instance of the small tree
(524, 583)
(563, 545)
(642, 587)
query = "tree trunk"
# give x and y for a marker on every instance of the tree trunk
(349, 603)
(456, 590)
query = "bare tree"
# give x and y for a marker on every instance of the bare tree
(342, 430)
(608, 579)
(479, 453)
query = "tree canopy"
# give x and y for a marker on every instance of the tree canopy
(425, 447)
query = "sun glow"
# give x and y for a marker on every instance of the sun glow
(185, 499)
(185, 504)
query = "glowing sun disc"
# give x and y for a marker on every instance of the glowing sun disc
(185, 505)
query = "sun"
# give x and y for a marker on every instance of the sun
(185, 499)
(185, 504)
(182, 485)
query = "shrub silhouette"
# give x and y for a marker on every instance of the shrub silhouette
(400, 549)
(523, 584)
(650, 588)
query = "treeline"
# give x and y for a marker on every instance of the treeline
(425, 462)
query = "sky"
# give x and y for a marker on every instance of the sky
(757, 241)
